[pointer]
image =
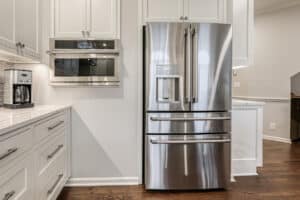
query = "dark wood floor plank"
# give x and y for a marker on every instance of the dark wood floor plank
(279, 179)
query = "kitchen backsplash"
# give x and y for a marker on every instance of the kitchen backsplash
(3, 65)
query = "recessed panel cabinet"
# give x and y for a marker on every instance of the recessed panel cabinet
(26, 25)
(243, 32)
(87, 18)
(19, 30)
(70, 18)
(185, 10)
(7, 21)
(163, 10)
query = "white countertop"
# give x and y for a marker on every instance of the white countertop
(239, 103)
(11, 119)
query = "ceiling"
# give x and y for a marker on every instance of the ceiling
(262, 5)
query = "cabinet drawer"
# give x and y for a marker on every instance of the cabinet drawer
(46, 154)
(16, 183)
(11, 147)
(49, 126)
(53, 178)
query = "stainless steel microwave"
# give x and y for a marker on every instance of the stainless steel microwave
(84, 62)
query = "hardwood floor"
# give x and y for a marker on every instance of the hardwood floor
(279, 179)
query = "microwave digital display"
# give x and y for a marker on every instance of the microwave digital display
(85, 44)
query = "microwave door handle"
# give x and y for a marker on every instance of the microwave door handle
(194, 49)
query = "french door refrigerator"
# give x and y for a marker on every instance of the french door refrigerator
(187, 104)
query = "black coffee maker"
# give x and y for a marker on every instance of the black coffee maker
(18, 88)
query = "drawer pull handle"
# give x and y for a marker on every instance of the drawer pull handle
(50, 191)
(9, 195)
(56, 125)
(50, 156)
(8, 153)
(189, 141)
(188, 119)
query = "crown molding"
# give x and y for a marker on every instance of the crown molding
(278, 6)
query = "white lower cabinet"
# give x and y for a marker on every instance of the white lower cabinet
(35, 160)
(247, 137)
(52, 179)
(17, 180)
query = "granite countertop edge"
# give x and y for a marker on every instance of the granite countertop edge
(14, 119)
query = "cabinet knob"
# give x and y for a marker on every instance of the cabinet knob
(186, 18)
(181, 18)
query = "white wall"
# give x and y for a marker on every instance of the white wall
(104, 119)
(276, 59)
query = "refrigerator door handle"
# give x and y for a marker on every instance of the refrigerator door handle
(187, 63)
(194, 58)
(188, 141)
(188, 119)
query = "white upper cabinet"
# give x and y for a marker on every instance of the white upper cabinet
(103, 18)
(26, 24)
(243, 28)
(19, 31)
(205, 10)
(185, 10)
(7, 21)
(86, 18)
(70, 18)
(163, 10)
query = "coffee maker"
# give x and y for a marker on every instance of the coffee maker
(17, 88)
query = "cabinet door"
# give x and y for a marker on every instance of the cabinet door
(205, 10)
(102, 18)
(70, 18)
(16, 180)
(243, 25)
(7, 23)
(26, 23)
(163, 10)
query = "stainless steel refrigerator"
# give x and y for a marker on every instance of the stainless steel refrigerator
(187, 104)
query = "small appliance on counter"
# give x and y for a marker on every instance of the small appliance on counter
(17, 88)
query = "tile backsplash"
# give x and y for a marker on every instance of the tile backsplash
(3, 65)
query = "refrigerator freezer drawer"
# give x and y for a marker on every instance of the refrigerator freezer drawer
(188, 123)
(187, 162)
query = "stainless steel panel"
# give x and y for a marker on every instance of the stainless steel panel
(188, 123)
(212, 67)
(187, 162)
(165, 58)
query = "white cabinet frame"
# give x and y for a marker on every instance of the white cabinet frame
(86, 30)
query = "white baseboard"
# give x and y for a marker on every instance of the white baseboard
(245, 174)
(277, 139)
(110, 181)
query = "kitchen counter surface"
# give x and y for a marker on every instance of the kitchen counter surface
(241, 103)
(11, 119)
